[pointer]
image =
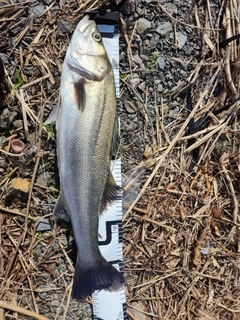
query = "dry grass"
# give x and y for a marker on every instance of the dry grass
(181, 228)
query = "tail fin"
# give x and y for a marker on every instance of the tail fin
(102, 276)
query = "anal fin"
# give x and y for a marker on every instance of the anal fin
(111, 192)
(59, 211)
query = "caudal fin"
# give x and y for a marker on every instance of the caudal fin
(87, 280)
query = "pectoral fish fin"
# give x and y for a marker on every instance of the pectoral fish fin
(53, 114)
(115, 139)
(59, 211)
(111, 192)
(88, 279)
(80, 96)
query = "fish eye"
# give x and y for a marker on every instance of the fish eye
(96, 36)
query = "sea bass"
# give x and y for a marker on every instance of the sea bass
(87, 133)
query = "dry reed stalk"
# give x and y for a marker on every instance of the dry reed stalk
(8, 306)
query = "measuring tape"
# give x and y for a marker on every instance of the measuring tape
(111, 305)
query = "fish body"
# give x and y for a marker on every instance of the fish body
(87, 131)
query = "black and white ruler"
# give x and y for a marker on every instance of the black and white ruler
(111, 305)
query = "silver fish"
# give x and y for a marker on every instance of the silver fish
(87, 133)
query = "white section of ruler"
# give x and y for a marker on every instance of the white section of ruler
(111, 305)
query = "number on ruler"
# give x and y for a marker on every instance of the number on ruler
(111, 227)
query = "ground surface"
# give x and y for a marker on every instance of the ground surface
(180, 168)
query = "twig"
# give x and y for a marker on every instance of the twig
(24, 115)
(160, 224)
(69, 289)
(228, 55)
(2, 315)
(229, 180)
(231, 310)
(32, 83)
(17, 213)
(12, 307)
(129, 313)
(205, 138)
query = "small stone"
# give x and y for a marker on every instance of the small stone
(44, 225)
(160, 87)
(55, 303)
(132, 126)
(44, 295)
(64, 26)
(129, 108)
(3, 162)
(44, 178)
(6, 118)
(17, 124)
(151, 109)
(164, 29)
(4, 58)
(142, 86)
(143, 25)
(32, 137)
(2, 141)
(165, 108)
(18, 190)
(36, 10)
(135, 80)
(189, 51)
(172, 8)
(160, 63)
(173, 112)
(182, 38)
(137, 59)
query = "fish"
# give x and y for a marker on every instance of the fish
(87, 135)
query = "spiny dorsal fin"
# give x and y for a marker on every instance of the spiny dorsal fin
(111, 193)
(59, 211)
(80, 96)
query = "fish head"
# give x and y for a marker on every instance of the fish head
(86, 54)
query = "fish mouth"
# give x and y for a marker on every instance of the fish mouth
(85, 23)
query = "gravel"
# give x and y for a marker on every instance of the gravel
(162, 60)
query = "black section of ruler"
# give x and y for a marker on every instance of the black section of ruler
(110, 18)
(109, 224)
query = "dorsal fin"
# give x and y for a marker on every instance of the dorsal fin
(115, 139)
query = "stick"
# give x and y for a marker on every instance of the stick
(12, 307)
